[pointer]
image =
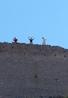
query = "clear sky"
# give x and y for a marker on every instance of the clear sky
(37, 18)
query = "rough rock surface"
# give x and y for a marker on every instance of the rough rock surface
(33, 71)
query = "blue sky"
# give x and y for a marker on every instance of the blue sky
(37, 18)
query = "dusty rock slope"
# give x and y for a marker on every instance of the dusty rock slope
(33, 70)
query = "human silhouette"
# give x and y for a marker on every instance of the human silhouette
(15, 40)
(31, 40)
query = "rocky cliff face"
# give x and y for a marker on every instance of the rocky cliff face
(33, 71)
